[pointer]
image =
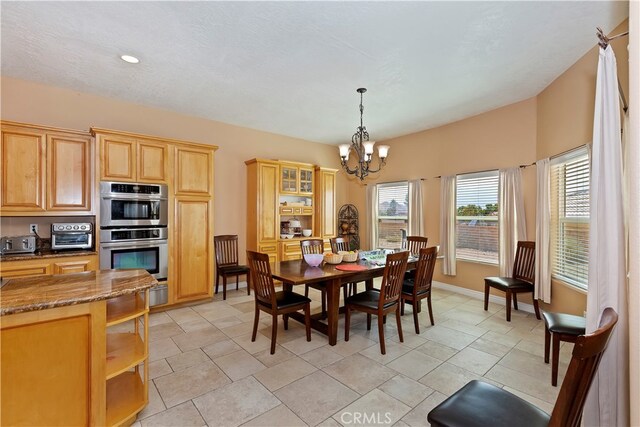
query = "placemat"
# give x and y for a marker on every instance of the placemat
(351, 267)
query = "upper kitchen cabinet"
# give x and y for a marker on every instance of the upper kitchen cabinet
(131, 158)
(193, 171)
(325, 202)
(45, 170)
(296, 179)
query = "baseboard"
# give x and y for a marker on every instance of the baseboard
(480, 295)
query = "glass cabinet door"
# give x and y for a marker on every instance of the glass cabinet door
(288, 179)
(306, 181)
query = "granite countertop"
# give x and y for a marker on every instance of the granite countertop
(43, 292)
(46, 253)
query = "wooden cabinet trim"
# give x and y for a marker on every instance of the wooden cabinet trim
(100, 131)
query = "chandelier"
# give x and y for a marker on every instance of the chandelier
(363, 148)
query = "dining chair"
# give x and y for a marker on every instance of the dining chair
(481, 404)
(522, 279)
(341, 244)
(272, 302)
(226, 247)
(382, 302)
(419, 287)
(564, 327)
(314, 246)
(413, 244)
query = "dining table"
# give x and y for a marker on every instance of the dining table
(333, 276)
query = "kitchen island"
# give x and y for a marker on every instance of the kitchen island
(74, 348)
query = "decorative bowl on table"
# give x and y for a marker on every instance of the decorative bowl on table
(287, 236)
(331, 258)
(349, 256)
(313, 260)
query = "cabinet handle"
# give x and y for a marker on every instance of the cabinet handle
(286, 210)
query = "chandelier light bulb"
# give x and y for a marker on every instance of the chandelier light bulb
(383, 150)
(344, 151)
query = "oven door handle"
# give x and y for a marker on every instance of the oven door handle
(129, 245)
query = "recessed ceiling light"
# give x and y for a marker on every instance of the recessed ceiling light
(130, 59)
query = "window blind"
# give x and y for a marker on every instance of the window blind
(393, 214)
(477, 216)
(570, 217)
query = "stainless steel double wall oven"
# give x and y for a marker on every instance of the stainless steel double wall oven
(133, 230)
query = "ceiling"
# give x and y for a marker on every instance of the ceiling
(292, 68)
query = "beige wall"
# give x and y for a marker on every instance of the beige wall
(30, 102)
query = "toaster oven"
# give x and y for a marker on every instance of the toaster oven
(71, 236)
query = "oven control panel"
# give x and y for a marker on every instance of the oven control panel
(70, 227)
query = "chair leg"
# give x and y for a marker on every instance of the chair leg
(248, 284)
(217, 282)
(536, 307)
(306, 291)
(347, 321)
(508, 306)
(381, 334)
(255, 324)
(547, 341)
(237, 280)
(414, 303)
(400, 324)
(486, 296)
(345, 293)
(402, 307)
(224, 287)
(368, 322)
(515, 300)
(285, 320)
(274, 332)
(555, 359)
(323, 295)
(307, 320)
(429, 306)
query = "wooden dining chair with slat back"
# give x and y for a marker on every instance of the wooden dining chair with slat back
(382, 302)
(522, 279)
(341, 244)
(226, 247)
(413, 244)
(272, 302)
(480, 404)
(314, 246)
(419, 287)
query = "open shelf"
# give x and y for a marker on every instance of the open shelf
(125, 308)
(124, 351)
(125, 397)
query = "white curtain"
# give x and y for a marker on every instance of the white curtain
(416, 218)
(511, 218)
(543, 230)
(448, 224)
(608, 400)
(372, 215)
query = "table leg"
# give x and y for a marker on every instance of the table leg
(368, 284)
(333, 303)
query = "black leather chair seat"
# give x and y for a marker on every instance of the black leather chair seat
(233, 269)
(561, 323)
(504, 283)
(407, 288)
(368, 299)
(481, 404)
(286, 299)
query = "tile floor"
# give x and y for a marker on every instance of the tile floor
(205, 370)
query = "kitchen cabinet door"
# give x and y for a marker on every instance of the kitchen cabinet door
(152, 162)
(193, 171)
(22, 158)
(325, 202)
(192, 249)
(75, 265)
(69, 173)
(117, 158)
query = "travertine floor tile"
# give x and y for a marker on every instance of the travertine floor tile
(354, 345)
(269, 360)
(359, 373)
(406, 390)
(301, 345)
(183, 385)
(199, 338)
(278, 416)
(321, 357)
(437, 350)
(417, 417)
(182, 315)
(449, 337)
(414, 364)
(184, 414)
(221, 348)
(155, 405)
(474, 360)
(236, 403)
(374, 408)
(539, 387)
(448, 378)
(490, 347)
(159, 368)
(161, 349)
(284, 373)
(186, 360)
(164, 330)
(393, 351)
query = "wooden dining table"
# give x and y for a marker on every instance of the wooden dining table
(298, 272)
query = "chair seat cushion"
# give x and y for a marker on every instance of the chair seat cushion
(505, 283)
(233, 269)
(562, 323)
(286, 299)
(482, 404)
(407, 288)
(368, 299)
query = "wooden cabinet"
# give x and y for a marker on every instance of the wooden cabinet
(45, 171)
(193, 171)
(325, 202)
(192, 249)
(290, 250)
(132, 158)
(296, 179)
(262, 207)
(42, 266)
(127, 358)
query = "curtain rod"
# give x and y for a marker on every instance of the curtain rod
(604, 42)
(488, 170)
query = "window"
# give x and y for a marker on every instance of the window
(570, 217)
(477, 217)
(393, 214)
